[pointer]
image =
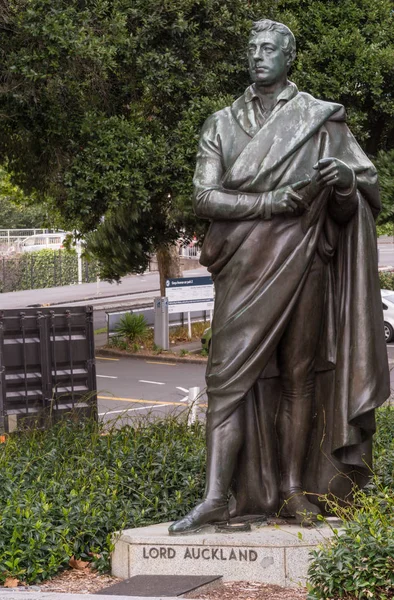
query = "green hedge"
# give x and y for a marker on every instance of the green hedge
(43, 269)
(66, 490)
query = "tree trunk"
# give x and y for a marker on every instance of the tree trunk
(169, 264)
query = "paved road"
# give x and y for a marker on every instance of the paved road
(140, 387)
(386, 255)
(129, 388)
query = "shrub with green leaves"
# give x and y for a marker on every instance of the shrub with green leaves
(358, 562)
(132, 326)
(386, 279)
(66, 490)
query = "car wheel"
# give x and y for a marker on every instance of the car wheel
(388, 332)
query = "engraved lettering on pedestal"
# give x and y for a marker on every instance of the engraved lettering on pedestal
(243, 555)
(222, 554)
(162, 552)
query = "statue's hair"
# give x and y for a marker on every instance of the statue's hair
(289, 43)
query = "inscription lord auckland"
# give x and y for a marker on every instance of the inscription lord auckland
(195, 553)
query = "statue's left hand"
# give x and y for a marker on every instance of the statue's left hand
(333, 171)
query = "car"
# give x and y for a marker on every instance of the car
(43, 241)
(388, 314)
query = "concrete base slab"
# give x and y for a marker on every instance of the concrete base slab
(160, 585)
(277, 554)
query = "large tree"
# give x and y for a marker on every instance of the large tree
(101, 101)
(346, 54)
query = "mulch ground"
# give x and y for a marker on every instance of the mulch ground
(86, 581)
(78, 582)
(249, 590)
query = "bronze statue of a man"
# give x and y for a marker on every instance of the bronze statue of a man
(298, 361)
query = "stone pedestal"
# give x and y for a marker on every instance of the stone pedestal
(275, 554)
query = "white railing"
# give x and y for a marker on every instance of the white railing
(7, 234)
(190, 251)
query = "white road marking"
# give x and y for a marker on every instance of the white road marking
(184, 399)
(114, 412)
(183, 390)
(154, 382)
(107, 376)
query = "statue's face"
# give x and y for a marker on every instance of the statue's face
(267, 61)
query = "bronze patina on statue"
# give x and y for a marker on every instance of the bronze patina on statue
(298, 362)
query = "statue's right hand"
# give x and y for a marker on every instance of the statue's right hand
(286, 199)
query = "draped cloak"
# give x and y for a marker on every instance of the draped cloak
(259, 267)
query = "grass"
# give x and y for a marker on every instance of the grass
(101, 330)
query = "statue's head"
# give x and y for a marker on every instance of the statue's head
(271, 51)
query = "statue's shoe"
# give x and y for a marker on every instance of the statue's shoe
(206, 513)
(298, 506)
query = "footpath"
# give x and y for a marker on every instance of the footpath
(15, 595)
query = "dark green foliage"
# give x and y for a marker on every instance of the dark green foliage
(43, 269)
(386, 279)
(132, 326)
(359, 560)
(384, 448)
(346, 55)
(385, 165)
(16, 210)
(17, 216)
(66, 490)
(102, 103)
